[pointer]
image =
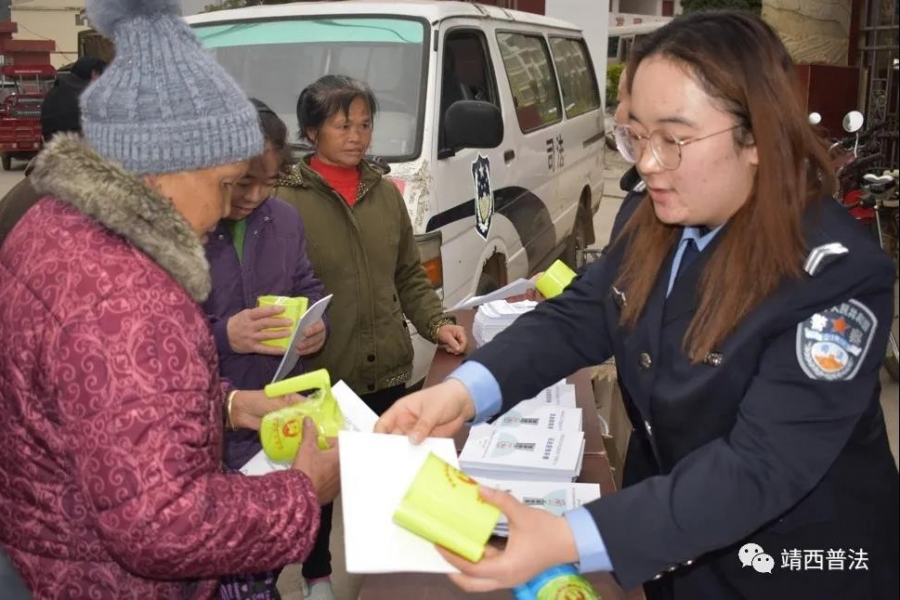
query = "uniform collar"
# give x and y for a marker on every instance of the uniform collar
(701, 235)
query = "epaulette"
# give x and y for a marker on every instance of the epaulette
(821, 256)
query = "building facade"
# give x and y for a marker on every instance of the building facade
(51, 20)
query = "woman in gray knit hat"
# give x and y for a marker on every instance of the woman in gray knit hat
(111, 483)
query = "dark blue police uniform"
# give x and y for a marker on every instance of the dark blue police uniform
(777, 439)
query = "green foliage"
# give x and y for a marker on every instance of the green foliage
(754, 6)
(613, 73)
(226, 5)
(229, 4)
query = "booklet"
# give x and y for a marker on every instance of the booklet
(553, 497)
(534, 417)
(560, 394)
(291, 356)
(522, 454)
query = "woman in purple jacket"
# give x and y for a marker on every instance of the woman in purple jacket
(258, 250)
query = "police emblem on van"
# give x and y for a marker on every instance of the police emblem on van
(484, 195)
(832, 344)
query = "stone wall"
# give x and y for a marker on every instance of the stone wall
(814, 31)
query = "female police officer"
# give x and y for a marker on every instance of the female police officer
(747, 314)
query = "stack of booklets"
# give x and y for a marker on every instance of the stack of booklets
(552, 410)
(524, 455)
(559, 394)
(494, 317)
(539, 439)
(529, 416)
(555, 498)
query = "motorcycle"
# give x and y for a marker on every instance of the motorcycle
(880, 197)
(871, 199)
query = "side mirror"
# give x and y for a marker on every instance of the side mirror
(853, 121)
(815, 118)
(471, 124)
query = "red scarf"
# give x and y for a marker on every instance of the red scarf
(343, 179)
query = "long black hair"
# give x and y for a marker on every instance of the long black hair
(328, 95)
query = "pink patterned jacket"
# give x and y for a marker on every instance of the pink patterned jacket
(111, 483)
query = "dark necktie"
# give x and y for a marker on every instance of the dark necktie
(691, 251)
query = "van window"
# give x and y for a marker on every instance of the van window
(466, 72)
(532, 82)
(275, 60)
(576, 76)
(612, 48)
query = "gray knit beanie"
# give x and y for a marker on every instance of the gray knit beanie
(164, 105)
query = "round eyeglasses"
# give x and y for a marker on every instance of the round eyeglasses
(666, 148)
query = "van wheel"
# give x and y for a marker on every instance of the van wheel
(891, 362)
(7, 162)
(486, 284)
(573, 255)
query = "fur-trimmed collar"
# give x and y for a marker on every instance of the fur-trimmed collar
(71, 171)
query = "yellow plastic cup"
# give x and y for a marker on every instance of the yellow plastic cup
(293, 310)
(443, 506)
(555, 279)
(281, 431)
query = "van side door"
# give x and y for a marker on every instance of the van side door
(466, 181)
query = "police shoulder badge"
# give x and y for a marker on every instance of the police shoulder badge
(484, 195)
(832, 344)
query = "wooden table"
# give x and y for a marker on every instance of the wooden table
(595, 469)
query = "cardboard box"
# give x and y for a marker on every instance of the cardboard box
(611, 410)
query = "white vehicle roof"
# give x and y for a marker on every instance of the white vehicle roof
(636, 29)
(429, 10)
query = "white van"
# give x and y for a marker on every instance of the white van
(490, 120)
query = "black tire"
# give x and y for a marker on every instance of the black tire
(486, 284)
(7, 162)
(611, 142)
(891, 364)
(573, 255)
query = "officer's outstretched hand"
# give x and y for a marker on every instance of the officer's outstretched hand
(538, 540)
(438, 411)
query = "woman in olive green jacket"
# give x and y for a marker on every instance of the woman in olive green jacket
(361, 244)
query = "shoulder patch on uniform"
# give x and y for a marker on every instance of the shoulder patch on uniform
(832, 344)
(822, 255)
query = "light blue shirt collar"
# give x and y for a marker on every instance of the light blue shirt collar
(702, 240)
(692, 232)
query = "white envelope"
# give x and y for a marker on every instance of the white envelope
(376, 472)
